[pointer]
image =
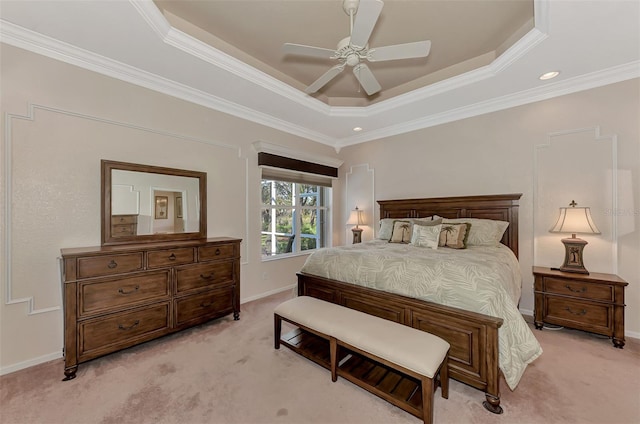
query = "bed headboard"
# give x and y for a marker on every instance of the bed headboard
(502, 207)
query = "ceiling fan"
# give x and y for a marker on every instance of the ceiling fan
(352, 50)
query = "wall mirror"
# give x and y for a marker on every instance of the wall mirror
(143, 203)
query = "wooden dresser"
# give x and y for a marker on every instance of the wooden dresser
(119, 296)
(589, 302)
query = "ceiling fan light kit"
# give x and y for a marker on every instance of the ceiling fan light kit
(352, 50)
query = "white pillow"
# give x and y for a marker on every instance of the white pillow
(483, 232)
(386, 228)
(426, 235)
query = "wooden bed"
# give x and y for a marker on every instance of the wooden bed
(473, 337)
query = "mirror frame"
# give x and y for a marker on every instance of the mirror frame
(107, 238)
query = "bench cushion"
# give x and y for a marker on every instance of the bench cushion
(408, 347)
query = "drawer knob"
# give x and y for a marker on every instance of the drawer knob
(580, 312)
(208, 276)
(135, 289)
(581, 290)
(172, 257)
(112, 264)
(122, 327)
(218, 252)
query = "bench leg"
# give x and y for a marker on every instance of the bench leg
(333, 348)
(427, 400)
(277, 330)
(444, 377)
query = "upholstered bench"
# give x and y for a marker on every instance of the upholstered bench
(413, 353)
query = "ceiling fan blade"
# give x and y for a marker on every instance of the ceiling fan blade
(303, 50)
(366, 18)
(324, 79)
(366, 79)
(400, 51)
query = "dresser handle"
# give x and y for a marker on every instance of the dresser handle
(582, 290)
(135, 289)
(582, 312)
(217, 252)
(112, 264)
(206, 305)
(172, 257)
(208, 276)
(121, 327)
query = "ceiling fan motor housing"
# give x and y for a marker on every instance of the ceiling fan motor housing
(346, 52)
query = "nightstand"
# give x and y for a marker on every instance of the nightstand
(593, 302)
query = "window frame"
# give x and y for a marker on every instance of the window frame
(323, 224)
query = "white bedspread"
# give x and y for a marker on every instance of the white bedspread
(481, 279)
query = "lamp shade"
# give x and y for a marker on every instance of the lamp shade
(355, 217)
(575, 220)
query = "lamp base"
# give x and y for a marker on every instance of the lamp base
(573, 248)
(357, 235)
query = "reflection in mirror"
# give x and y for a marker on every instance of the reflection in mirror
(154, 203)
(147, 203)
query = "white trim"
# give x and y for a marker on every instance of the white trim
(268, 293)
(31, 363)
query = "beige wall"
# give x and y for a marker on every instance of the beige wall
(496, 153)
(59, 121)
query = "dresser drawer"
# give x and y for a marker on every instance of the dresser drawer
(219, 251)
(200, 276)
(109, 264)
(123, 219)
(123, 230)
(579, 289)
(170, 257)
(579, 314)
(203, 306)
(100, 335)
(106, 294)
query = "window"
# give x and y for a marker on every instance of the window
(294, 217)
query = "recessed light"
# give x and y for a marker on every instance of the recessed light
(549, 75)
(356, 129)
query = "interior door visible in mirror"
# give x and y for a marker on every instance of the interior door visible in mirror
(143, 203)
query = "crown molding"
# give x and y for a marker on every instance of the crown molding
(584, 82)
(41, 44)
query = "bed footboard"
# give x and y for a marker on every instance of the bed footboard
(473, 358)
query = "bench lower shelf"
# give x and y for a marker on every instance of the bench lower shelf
(399, 389)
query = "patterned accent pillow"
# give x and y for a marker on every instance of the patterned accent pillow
(401, 232)
(426, 235)
(386, 226)
(454, 235)
(484, 232)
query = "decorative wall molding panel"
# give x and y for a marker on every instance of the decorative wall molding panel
(591, 180)
(11, 122)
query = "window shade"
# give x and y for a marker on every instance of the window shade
(281, 168)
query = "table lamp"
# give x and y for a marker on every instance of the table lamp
(574, 220)
(355, 218)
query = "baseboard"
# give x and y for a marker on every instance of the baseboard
(32, 362)
(269, 293)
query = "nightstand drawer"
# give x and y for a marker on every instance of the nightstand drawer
(579, 289)
(580, 315)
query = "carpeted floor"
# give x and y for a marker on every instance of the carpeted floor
(228, 372)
